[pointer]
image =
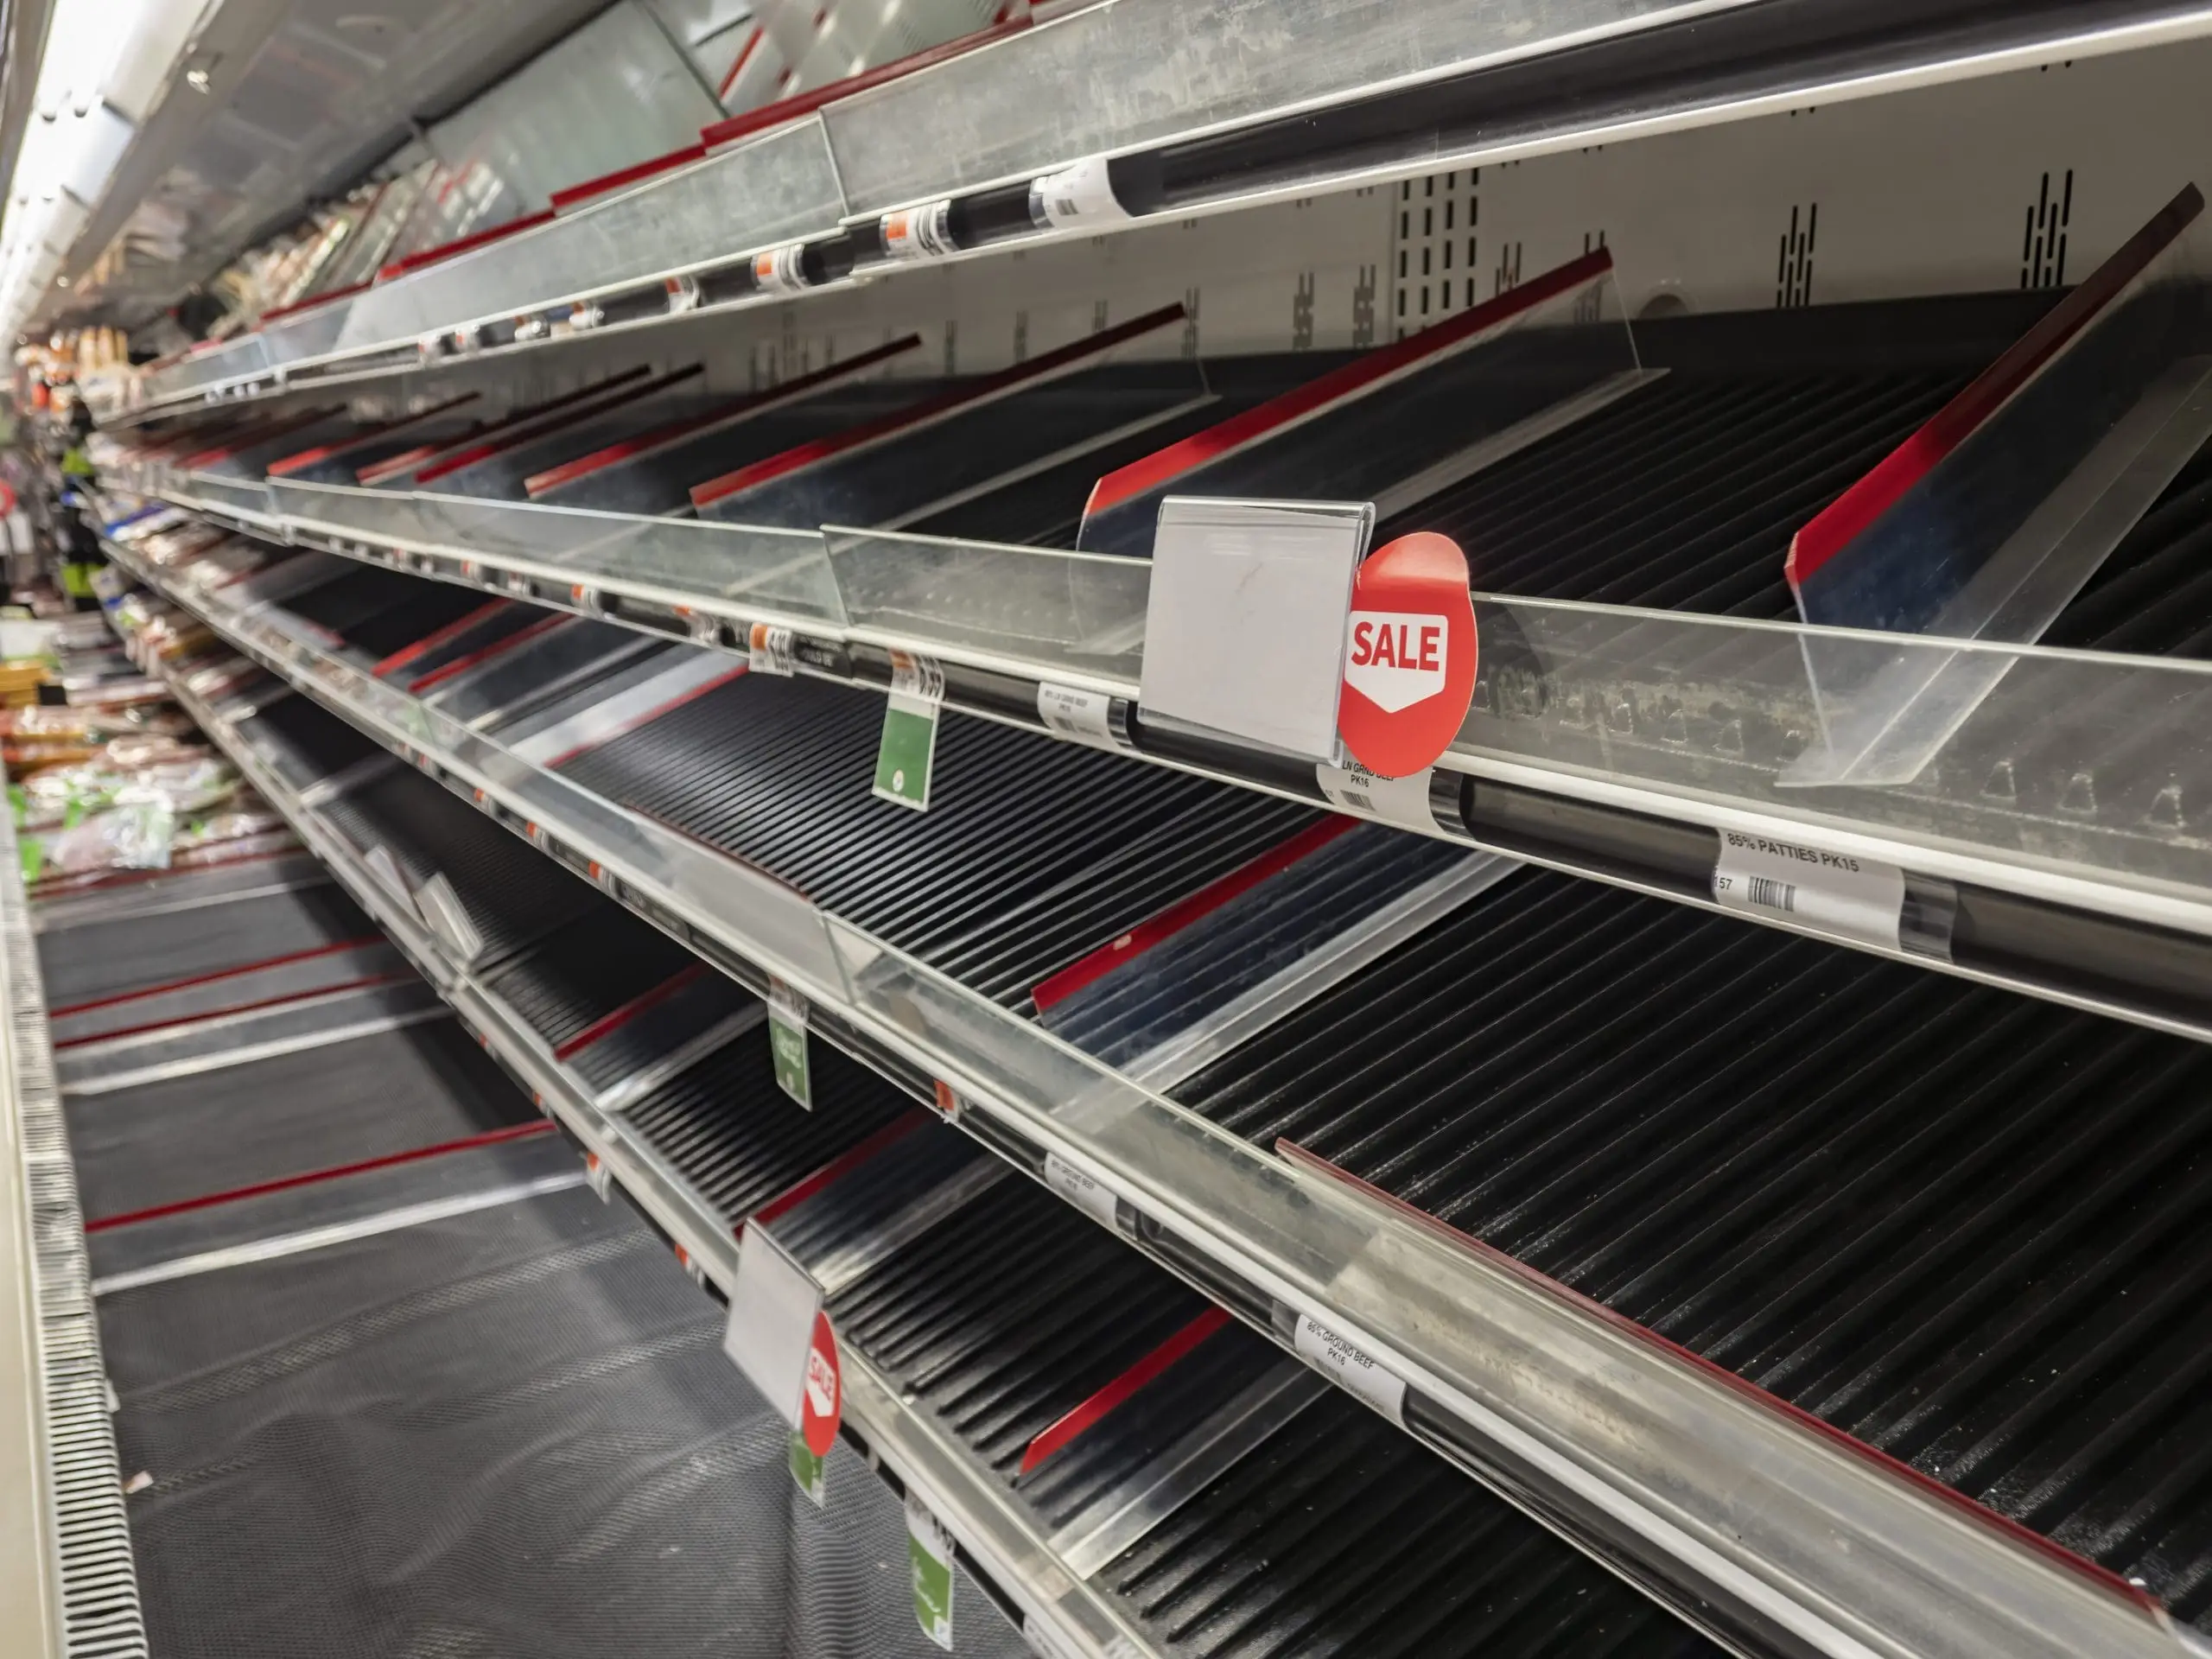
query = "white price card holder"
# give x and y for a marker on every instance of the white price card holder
(771, 1309)
(1246, 620)
(444, 914)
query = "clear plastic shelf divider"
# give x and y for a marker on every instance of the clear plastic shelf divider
(1039, 612)
(1987, 522)
(2077, 761)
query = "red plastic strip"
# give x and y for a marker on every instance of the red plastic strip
(400, 267)
(322, 452)
(799, 104)
(1117, 1392)
(1184, 912)
(649, 714)
(576, 194)
(1468, 1244)
(209, 978)
(261, 1006)
(569, 471)
(744, 56)
(792, 1197)
(298, 306)
(489, 446)
(616, 1018)
(483, 654)
(1238, 431)
(259, 433)
(820, 450)
(489, 1138)
(1873, 495)
(430, 642)
(506, 427)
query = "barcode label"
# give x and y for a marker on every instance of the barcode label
(1775, 895)
(1073, 195)
(1855, 898)
(1395, 800)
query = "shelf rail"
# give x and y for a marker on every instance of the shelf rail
(2055, 839)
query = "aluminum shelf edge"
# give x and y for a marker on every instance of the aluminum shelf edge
(68, 1585)
(1006, 1545)
(994, 610)
(1763, 1528)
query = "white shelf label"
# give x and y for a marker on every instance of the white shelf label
(683, 295)
(1081, 194)
(1082, 717)
(1087, 1194)
(1395, 800)
(771, 650)
(1352, 1367)
(1838, 892)
(924, 232)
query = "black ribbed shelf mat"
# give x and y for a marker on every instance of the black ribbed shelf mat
(135, 953)
(1972, 1228)
(295, 1114)
(1010, 1313)
(1340, 1536)
(312, 742)
(587, 968)
(740, 1141)
(1033, 854)
(512, 892)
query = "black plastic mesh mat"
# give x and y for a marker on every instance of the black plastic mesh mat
(506, 1435)
(511, 1432)
(108, 959)
(316, 1109)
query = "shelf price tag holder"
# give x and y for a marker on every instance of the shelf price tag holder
(1247, 617)
(907, 754)
(780, 1338)
(787, 1042)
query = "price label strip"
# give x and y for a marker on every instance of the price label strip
(1402, 801)
(1859, 898)
(1088, 1194)
(1077, 196)
(1078, 715)
(923, 232)
(601, 1178)
(930, 1553)
(1351, 1367)
(787, 1042)
(772, 650)
(904, 758)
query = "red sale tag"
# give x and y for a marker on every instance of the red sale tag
(822, 1401)
(1409, 660)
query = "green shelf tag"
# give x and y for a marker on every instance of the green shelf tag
(929, 1548)
(787, 1043)
(810, 1472)
(903, 759)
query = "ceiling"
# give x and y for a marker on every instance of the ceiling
(303, 97)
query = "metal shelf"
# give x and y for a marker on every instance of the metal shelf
(1754, 1521)
(998, 1536)
(1586, 750)
(1188, 109)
